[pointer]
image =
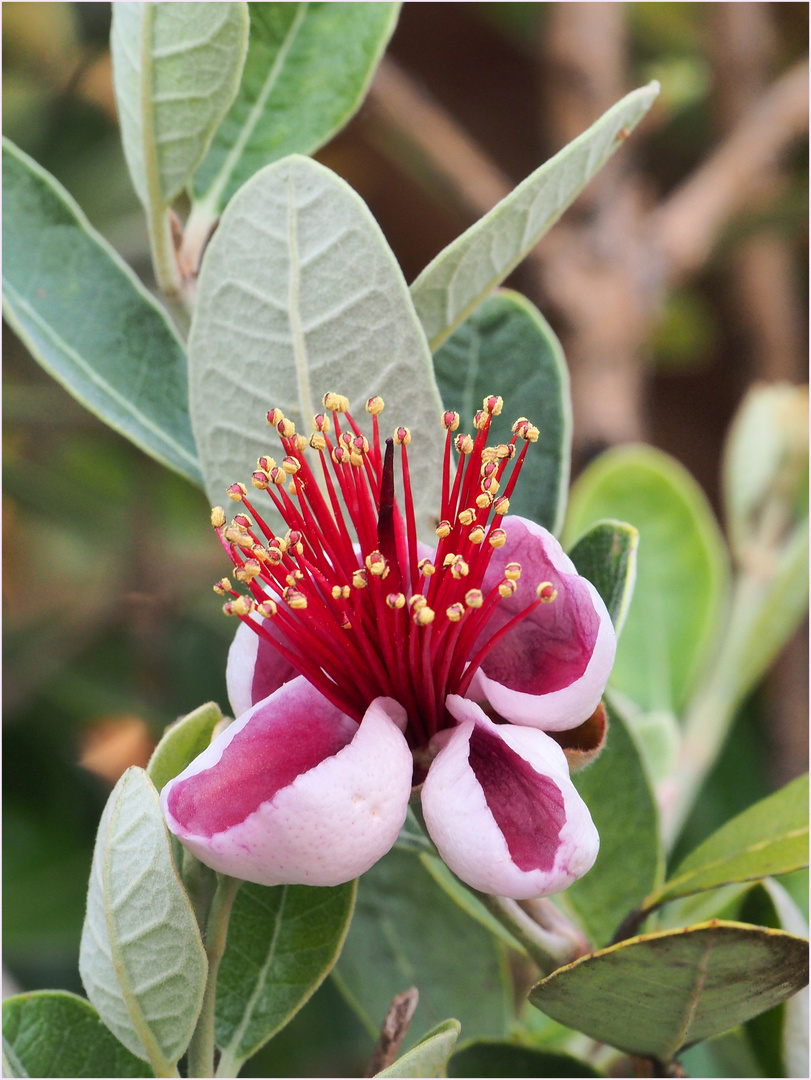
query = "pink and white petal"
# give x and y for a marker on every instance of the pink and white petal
(551, 669)
(502, 811)
(295, 791)
(254, 670)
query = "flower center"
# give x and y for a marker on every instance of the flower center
(347, 595)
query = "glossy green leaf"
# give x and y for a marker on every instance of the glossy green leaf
(53, 1033)
(769, 838)
(430, 1055)
(176, 69)
(282, 943)
(88, 321)
(506, 347)
(681, 570)
(655, 994)
(460, 277)
(141, 958)
(408, 932)
(606, 555)
(616, 790)
(508, 1059)
(307, 70)
(182, 742)
(299, 295)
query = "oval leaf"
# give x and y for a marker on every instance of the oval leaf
(655, 994)
(95, 329)
(141, 958)
(508, 1059)
(506, 347)
(606, 555)
(282, 944)
(299, 295)
(429, 1056)
(307, 70)
(460, 277)
(616, 790)
(681, 566)
(53, 1033)
(405, 932)
(176, 69)
(182, 742)
(768, 838)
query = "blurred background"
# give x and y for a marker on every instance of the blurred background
(676, 281)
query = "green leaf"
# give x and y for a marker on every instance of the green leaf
(141, 958)
(282, 943)
(506, 347)
(616, 790)
(182, 742)
(483, 1058)
(769, 838)
(460, 277)
(299, 295)
(681, 570)
(408, 932)
(430, 1055)
(655, 994)
(88, 321)
(606, 555)
(176, 69)
(308, 69)
(53, 1033)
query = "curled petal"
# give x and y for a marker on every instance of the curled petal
(295, 792)
(502, 811)
(551, 669)
(254, 670)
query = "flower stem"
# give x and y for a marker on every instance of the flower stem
(547, 935)
(201, 1047)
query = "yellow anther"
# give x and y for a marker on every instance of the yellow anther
(355, 459)
(300, 443)
(481, 419)
(497, 538)
(505, 450)
(455, 612)
(489, 454)
(463, 444)
(489, 468)
(275, 417)
(321, 422)
(267, 609)
(501, 505)
(340, 455)
(546, 592)
(286, 428)
(265, 463)
(402, 436)
(484, 500)
(417, 601)
(507, 588)
(249, 570)
(524, 430)
(260, 480)
(217, 517)
(396, 600)
(275, 556)
(294, 578)
(318, 442)
(291, 465)
(336, 403)
(474, 598)
(241, 606)
(426, 567)
(277, 476)
(239, 537)
(424, 616)
(460, 569)
(467, 517)
(292, 539)
(490, 485)
(279, 542)
(222, 586)
(295, 599)
(374, 406)
(493, 404)
(476, 534)
(449, 559)
(340, 592)
(258, 552)
(512, 571)
(443, 529)
(291, 487)
(359, 579)
(450, 420)
(346, 622)
(242, 521)
(376, 564)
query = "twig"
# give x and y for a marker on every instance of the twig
(394, 1030)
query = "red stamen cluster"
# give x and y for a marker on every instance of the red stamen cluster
(344, 595)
